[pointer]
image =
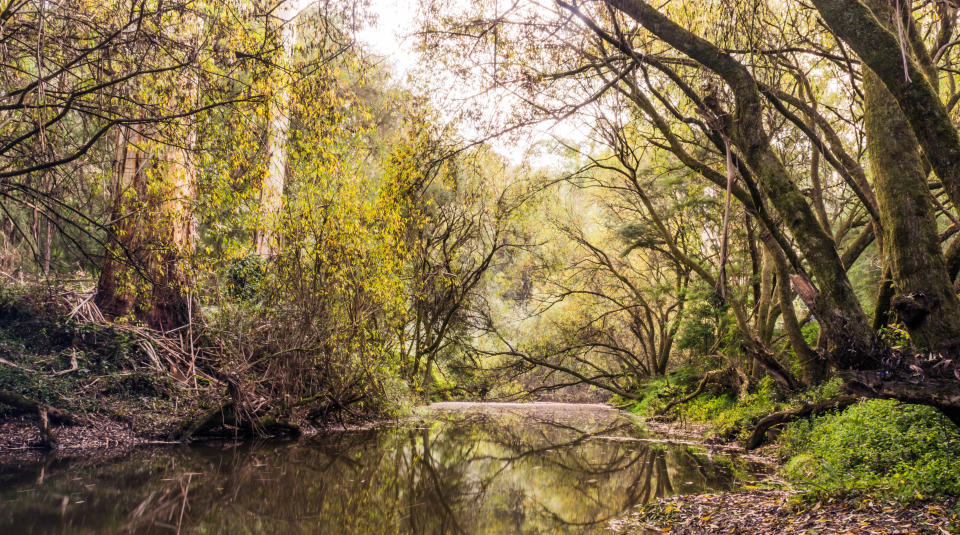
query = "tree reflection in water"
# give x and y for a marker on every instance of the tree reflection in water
(458, 472)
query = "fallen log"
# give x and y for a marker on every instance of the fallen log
(807, 409)
(933, 383)
(25, 404)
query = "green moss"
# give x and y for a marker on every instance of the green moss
(877, 447)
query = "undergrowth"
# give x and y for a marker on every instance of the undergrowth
(84, 368)
(876, 448)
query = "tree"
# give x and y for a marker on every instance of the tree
(744, 111)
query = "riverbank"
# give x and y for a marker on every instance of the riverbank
(784, 504)
(73, 385)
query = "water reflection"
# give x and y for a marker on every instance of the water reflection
(459, 472)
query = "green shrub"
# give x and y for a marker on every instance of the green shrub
(733, 418)
(826, 390)
(878, 447)
(656, 391)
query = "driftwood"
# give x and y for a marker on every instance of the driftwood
(807, 409)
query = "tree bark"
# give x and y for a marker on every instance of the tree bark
(911, 381)
(924, 298)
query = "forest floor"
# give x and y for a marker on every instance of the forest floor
(115, 394)
(772, 506)
(111, 387)
(781, 511)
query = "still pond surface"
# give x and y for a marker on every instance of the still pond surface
(461, 469)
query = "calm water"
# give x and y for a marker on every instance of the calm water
(483, 469)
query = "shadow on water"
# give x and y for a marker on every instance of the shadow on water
(458, 471)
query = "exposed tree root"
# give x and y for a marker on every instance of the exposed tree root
(807, 409)
(227, 416)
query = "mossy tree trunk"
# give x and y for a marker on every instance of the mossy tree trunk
(924, 298)
(907, 79)
(901, 113)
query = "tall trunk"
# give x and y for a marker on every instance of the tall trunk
(766, 297)
(271, 189)
(145, 271)
(924, 298)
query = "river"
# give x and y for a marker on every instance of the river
(461, 468)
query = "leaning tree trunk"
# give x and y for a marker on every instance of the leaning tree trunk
(813, 367)
(145, 270)
(924, 299)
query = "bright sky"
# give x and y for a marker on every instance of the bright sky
(390, 36)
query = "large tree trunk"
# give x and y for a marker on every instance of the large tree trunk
(924, 297)
(271, 189)
(881, 51)
(145, 270)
